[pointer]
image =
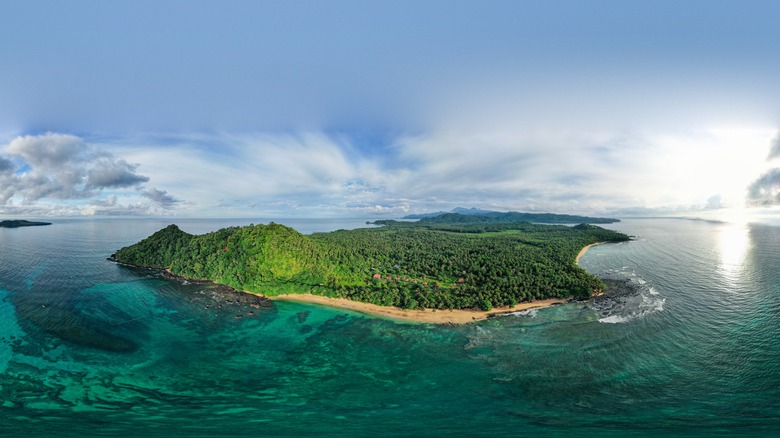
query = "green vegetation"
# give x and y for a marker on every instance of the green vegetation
(474, 215)
(512, 216)
(21, 223)
(409, 265)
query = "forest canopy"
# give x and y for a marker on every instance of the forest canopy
(409, 265)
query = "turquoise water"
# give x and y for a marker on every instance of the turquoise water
(89, 348)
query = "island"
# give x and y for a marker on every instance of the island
(476, 215)
(21, 223)
(415, 269)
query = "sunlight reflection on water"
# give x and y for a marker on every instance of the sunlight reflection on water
(733, 245)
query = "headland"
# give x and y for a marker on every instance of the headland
(442, 273)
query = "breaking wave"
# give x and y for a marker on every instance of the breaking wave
(627, 297)
(530, 313)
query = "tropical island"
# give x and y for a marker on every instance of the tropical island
(461, 214)
(21, 223)
(419, 266)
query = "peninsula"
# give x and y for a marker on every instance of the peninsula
(21, 223)
(408, 266)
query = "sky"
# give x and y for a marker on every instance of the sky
(384, 108)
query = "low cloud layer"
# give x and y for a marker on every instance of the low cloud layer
(765, 191)
(321, 174)
(51, 168)
(318, 174)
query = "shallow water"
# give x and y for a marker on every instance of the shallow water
(91, 348)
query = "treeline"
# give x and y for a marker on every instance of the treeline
(442, 266)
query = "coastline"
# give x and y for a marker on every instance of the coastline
(584, 250)
(430, 316)
(421, 316)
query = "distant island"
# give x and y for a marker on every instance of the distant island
(466, 215)
(21, 223)
(434, 266)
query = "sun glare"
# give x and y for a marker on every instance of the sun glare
(734, 243)
(721, 161)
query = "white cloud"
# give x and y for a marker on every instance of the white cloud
(317, 174)
(61, 174)
(110, 201)
(161, 198)
(250, 175)
(765, 190)
(714, 202)
(112, 173)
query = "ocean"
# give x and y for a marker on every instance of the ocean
(91, 348)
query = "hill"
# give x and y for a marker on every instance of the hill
(471, 215)
(509, 217)
(451, 266)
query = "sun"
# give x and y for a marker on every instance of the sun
(720, 161)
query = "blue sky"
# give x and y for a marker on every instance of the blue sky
(312, 108)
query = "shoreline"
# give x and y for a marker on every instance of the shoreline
(584, 250)
(420, 316)
(431, 316)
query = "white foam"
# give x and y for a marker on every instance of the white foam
(645, 301)
(614, 319)
(648, 306)
(657, 305)
(531, 313)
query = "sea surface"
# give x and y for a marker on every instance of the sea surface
(90, 348)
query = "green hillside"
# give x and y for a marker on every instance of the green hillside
(443, 266)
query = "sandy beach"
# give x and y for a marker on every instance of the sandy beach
(584, 250)
(430, 316)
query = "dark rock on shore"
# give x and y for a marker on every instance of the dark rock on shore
(625, 299)
(621, 287)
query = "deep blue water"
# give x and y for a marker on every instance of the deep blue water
(91, 348)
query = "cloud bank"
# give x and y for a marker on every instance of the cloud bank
(39, 171)
(319, 174)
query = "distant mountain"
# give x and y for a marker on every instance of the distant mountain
(474, 215)
(473, 211)
(460, 210)
(424, 215)
(21, 223)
